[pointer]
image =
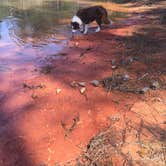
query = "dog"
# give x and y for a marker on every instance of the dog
(86, 16)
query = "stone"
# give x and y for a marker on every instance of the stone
(114, 67)
(34, 96)
(83, 84)
(76, 44)
(155, 85)
(82, 90)
(144, 90)
(95, 83)
(58, 90)
(73, 84)
(126, 77)
(128, 61)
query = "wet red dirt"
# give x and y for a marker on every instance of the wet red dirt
(32, 118)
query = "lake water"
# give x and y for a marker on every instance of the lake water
(29, 28)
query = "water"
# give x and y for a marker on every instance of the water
(33, 28)
(34, 22)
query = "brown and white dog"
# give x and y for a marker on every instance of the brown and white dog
(85, 16)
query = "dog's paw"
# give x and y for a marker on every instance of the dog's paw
(85, 32)
(98, 30)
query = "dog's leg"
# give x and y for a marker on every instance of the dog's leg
(98, 29)
(82, 28)
(99, 22)
(86, 29)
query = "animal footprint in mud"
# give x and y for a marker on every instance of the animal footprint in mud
(68, 130)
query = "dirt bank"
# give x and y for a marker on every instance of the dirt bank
(60, 118)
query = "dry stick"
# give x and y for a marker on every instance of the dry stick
(127, 124)
(139, 131)
(123, 136)
(141, 115)
(151, 131)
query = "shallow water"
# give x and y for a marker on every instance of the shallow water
(37, 22)
(33, 28)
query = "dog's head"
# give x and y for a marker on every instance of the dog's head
(76, 23)
(75, 26)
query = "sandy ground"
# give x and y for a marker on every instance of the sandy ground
(60, 118)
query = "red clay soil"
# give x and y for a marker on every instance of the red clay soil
(48, 121)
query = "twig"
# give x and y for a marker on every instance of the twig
(139, 131)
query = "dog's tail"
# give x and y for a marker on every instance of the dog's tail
(105, 18)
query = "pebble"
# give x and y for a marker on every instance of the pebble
(82, 90)
(58, 90)
(144, 90)
(155, 85)
(128, 61)
(34, 96)
(73, 84)
(114, 67)
(83, 84)
(95, 83)
(76, 44)
(126, 77)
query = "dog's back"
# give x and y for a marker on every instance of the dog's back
(90, 14)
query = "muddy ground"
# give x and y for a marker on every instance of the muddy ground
(62, 118)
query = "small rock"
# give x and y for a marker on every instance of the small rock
(74, 84)
(58, 90)
(83, 84)
(128, 61)
(144, 90)
(82, 90)
(34, 96)
(126, 77)
(95, 83)
(155, 85)
(41, 85)
(76, 44)
(114, 67)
